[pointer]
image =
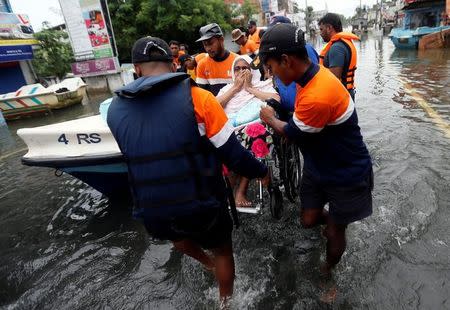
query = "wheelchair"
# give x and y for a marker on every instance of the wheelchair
(285, 169)
(289, 157)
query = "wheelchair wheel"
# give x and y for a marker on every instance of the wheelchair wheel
(276, 203)
(294, 170)
(285, 175)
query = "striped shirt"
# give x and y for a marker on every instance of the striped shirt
(212, 75)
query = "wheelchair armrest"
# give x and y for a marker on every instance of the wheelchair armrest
(282, 113)
(273, 103)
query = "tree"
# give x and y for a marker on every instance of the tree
(168, 19)
(296, 8)
(248, 9)
(54, 55)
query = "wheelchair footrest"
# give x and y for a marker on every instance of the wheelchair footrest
(250, 210)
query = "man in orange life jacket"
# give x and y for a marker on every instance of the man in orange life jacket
(339, 54)
(143, 122)
(254, 32)
(337, 165)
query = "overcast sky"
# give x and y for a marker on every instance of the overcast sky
(49, 10)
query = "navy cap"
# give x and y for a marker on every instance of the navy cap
(282, 38)
(143, 47)
(210, 31)
(279, 19)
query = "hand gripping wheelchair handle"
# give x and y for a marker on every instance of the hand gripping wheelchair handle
(281, 113)
(273, 103)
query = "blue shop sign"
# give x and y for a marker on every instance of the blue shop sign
(15, 52)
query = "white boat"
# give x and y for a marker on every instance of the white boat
(84, 148)
(35, 98)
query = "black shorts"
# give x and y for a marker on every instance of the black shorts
(347, 204)
(209, 228)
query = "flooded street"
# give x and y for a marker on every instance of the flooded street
(64, 247)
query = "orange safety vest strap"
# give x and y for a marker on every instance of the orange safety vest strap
(348, 78)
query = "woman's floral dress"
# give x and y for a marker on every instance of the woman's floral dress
(256, 138)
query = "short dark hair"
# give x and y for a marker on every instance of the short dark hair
(333, 20)
(173, 42)
(252, 23)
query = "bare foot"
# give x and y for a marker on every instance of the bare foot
(241, 201)
(329, 296)
(224, 303)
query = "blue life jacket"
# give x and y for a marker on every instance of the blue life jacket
(172, 170)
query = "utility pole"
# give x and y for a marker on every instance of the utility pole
(306, 16)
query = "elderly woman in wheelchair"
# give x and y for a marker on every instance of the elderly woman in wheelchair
(242, 101)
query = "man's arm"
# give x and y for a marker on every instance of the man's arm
(337, 71)
(221, 134)
(337, 59)
(267, 115)
(308, 119)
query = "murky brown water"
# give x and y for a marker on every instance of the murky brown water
(63, 247)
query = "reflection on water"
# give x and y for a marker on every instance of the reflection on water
(64, 247)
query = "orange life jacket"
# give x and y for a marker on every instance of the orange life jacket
(349, 79)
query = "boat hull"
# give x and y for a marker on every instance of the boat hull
(69, 98)
(37, 99)
(409, 39)
(106, 174)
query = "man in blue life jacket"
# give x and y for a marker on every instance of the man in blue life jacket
(175, 137)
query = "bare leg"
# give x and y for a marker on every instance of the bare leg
(313, 217)
(193, 250)
(224, 262)
(336, 244)
(241, 193)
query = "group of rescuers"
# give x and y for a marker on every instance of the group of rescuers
(175, 137)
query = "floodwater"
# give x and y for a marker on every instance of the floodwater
(63, 247)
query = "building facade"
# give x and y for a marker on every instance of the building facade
(16, 49)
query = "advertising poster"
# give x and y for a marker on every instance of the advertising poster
(15, 26)
(90, 38)
(94, 21)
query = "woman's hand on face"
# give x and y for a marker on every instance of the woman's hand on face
(239, 81)
(248, 79)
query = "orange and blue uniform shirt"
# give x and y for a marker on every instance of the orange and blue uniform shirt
(249, 48)
(325, 127)
(212, 74)
(214, 125)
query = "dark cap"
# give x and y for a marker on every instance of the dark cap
(282, 38)
(251, 23)
(210, 31)
(143, 47)
(279, 19)
(184, 57)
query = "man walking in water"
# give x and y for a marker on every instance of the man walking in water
(175, 137)
(339, 54)
(337, 165)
